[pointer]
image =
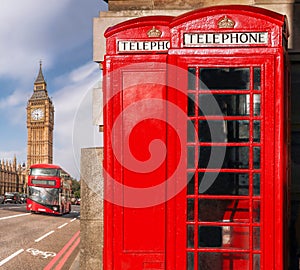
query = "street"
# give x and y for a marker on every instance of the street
(37, 241)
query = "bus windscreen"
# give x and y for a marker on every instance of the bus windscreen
(45, 196)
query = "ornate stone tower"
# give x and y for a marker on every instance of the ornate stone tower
(40, 123)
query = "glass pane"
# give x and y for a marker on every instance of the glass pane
(191, 183)
(190, 261)
(238, 131)
(209, 236)
(44, 196)
(238, 261)
(243, 185)
(191, 105)
(256, 79)
(256, 261)
(191, 131)
(256, 211)
(256, 184)
(235, 157)
(231, 105)
(212, 236)
(191, 78)
(223, 210)
(224, 131)
(44, 172)
(256, 238)
(210, 261)
(256, 157)
(224, 78)
(213, 130)
(224, 183)
(191, 157)
(204, 156)
(256, 131)
(256, 104)
(190, 209)
(190, 236)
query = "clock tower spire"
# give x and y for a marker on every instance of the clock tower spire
(40, 123)
(40, 78)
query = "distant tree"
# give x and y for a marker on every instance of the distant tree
(77, 194)
(76, 188)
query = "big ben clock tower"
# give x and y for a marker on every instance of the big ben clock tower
(40, 123)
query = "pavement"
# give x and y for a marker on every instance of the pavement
(75, 265)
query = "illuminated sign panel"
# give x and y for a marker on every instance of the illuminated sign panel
(195, 40)
(206, 39)
(143, 46)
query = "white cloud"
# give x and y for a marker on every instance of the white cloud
(33, 29)
(73, 116)
(23, 29)
(15, 99)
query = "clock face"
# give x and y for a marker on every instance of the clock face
(37, 114)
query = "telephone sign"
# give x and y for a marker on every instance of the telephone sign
(196, 111)
(139, 46)
(201, 39)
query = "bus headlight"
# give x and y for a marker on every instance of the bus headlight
(55, 208)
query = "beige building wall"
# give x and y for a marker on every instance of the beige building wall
(121, 10)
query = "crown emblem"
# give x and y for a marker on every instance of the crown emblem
(154, 33)
(226, 23)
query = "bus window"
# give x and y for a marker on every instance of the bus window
(44, 172)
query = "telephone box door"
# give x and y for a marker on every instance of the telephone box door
(135, 74)
(227, 211)
(135, 231)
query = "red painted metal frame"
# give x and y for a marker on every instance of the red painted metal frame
(274, 136)
(171, 223)
(270, 220)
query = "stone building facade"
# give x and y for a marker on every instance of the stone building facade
(122, 10)
(12, 177)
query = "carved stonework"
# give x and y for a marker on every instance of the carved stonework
(12, 177)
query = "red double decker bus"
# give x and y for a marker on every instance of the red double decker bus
(49, 189)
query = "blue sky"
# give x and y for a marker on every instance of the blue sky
(58, 32)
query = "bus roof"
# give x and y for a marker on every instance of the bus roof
(52, 166)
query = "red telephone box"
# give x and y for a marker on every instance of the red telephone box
(197, 141)
(135, 78)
